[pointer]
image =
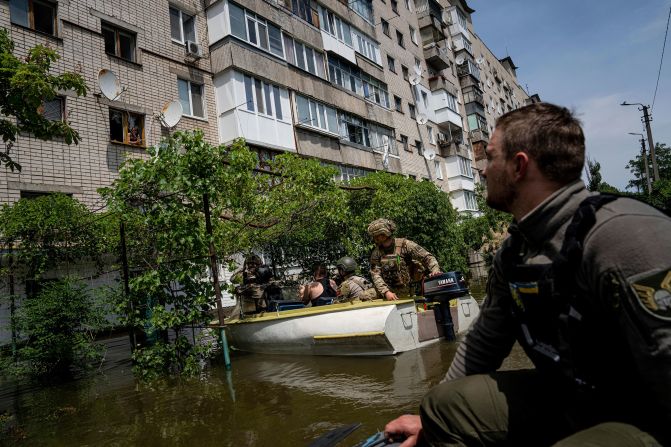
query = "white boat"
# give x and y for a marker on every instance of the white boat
(362, 328)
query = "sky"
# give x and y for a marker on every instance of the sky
(589, 56)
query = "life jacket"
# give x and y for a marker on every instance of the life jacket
(398, 269)
(554, 323)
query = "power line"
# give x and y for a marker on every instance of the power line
(661, 60)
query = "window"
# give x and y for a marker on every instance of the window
(404, 70)
(392, 64)
(53, 110)
(255, 30)
(335, 26)
(404, 143)
(263, 98)
(418, 145)
(182, 26)
(305, 9)
(432, 137)
(413, 35)
(304, 57)
(399, 39)
(365, 46)
(465, 167)
(425, 100)
(119, 42)
(452, 102)
(385, 27)
(438, 170)
(394, 6)
(471, 203)
(418, 65)
(408, 5)
(34, 14)
(360, 131)
(126, 127)
(352, 78)
(348, 173)
(364, 8)
(398, 104)
(413, 111)
(191, 97)
(315, 114)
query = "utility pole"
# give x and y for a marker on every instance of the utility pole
(645, 163)
(651, 144)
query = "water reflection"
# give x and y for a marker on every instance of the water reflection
(263, 401)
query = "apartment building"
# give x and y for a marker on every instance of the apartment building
(404, 86)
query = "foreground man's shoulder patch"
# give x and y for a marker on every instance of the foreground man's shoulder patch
(653, 290)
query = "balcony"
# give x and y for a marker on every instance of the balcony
(479, 135)
(468, 81)
(440, 82)
(451, 148)
(437, 56)
(468, 68)
(474, 96)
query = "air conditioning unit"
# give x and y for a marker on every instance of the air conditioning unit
(193, 49)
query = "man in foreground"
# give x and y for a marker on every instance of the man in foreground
(396, 263)
(582, 283)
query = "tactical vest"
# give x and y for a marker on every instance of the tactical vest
(369, 292)
(553, 322)
(398, 270)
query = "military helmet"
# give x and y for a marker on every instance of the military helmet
(381, 226)
(347, 264)
(263, 274)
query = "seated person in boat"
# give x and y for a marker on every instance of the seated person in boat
(397, 264)
(353, 287)
(321, 286)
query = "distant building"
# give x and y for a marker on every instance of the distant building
(400, 85)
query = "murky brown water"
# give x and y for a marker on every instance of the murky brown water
(263, 401)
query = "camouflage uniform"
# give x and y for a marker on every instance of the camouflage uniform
(251, 292)
(395, 268)
(356, 287)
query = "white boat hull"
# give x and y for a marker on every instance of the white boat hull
(363, 328)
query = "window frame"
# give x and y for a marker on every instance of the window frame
(321, 112)
(61, 100)
(318, 58)
(125, 115)
(30, 16)
(398, 104)
(182, 40)
(385, 27)
(400, 39)
(413, 35)
(118, 31)
(391, 64)
(190, 85)
(266, 91)
(438, 170)
(262, 28)
(405, 142)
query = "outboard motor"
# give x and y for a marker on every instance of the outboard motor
(441, 289)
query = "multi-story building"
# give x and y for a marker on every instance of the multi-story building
(398, 85)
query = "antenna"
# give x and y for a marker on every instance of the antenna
(418, 70)
(422, 119)
(109, 84)
(414, 79)
(171, 114)
(459, 60)
(429, 154)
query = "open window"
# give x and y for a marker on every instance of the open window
(119, 42)
(53, 110)
(182, 26)
(126, 127)
(34, 14)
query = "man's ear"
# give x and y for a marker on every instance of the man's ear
(521, 164)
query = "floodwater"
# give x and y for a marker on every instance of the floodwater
(264, 401)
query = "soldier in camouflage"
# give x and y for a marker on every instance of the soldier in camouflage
(353, 287)
(397, 263)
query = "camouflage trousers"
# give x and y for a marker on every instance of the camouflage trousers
(518, 408)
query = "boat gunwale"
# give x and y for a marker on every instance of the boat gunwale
(310, 311)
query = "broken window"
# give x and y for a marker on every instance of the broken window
(34, 14)
(126, 127)
(119, 42)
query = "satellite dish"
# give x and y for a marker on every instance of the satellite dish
(445, 16)
(171, 113)
(418, 70)
(429, 154)
(459, 60)
(109, 84)
(422, 119)
(414, 79)
(479, 60)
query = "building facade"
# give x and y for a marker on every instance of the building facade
(404, 86)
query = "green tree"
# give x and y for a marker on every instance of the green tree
(25, 85)
(162, 203)
(637, 168)
(595, 181)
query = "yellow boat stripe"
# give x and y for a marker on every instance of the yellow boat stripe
(352, 335)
